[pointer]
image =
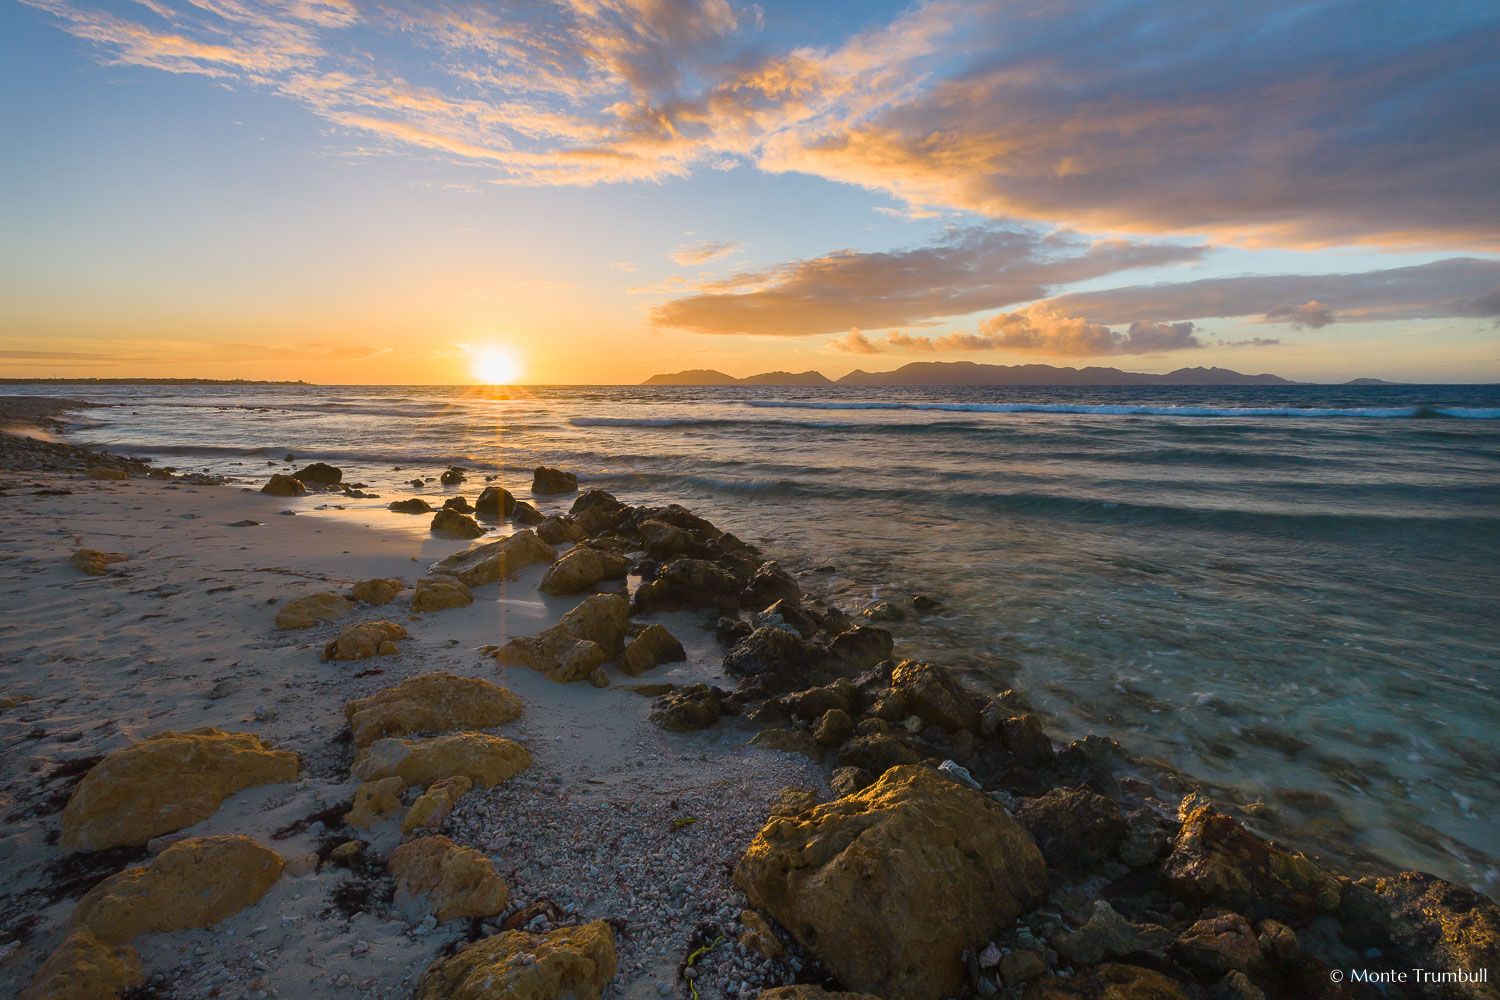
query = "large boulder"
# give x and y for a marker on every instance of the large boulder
(359, 642)
(580, 568)
(560, 530)
(1074, 827)
(1217, 862)
(1420, 921)
(700, 582)
(695, 706)
(164, 783)
(283, 486)
(933, 695)
(778, 661)
(489, 562)
(486, 760)
(454, 524)
(547, 482)
(494, 501)
(455, 882)
(314, 609)
(651, 648)
(874, 752)
(770, 584)
(436, 593)
(85, 968)
(435, 702)
(193, 883)
(321, 473)
(570, 963)
(663, 541)
(555, 654)
(890, 886)
(599, 619)
(381, 590)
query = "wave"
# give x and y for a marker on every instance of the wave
(701, 422)
(1130, 410)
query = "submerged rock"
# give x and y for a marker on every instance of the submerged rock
(358, 642)
(489, 562)
(378, 591)
(193, 883)
(455, 525)
(434, 702)
(314, 609)
(95, 563)
(570, 963)
(283, 486)
(487, 760)
(435, 593)
(164, 783)
(888, 887)
(651, 648)
(695, 706)
(85, 968)
(455, 881)
(374, 801)
(452, 476)
(546, 482)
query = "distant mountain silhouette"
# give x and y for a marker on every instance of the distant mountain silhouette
(970, 373)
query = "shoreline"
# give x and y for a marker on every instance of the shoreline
(578, 779)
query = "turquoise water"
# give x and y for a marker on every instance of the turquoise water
(1284, 594)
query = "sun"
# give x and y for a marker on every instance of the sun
(496, 366)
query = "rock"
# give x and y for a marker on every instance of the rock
(651, 648)
(789, 741)
(487, 760)
(320, 473)
(433, 807)
(524, 513)
(1146, 839)
(455, 525)
(411, 505)
(105, 472)
(1217, 945)
(848, 780)
(759, 937)
(695, 706)
(580, 568)
(876, 753)
(495, 501)
(460, 504)
(1020, 967)
(374, 801)
(314, 609)
(884, 611)
(700, 582)
(788, 615)
(834, 728)
(1075, 828)
(435, 702)
(435, 593)
(95, 563)
(302, 864)
(665, 542)
(862, 647)
(378, 591)
(1106, 982)
(555, 654)
(559, 530)
(1217, 862)
(358, 642)
(164, 783)
(778, 661)
(933, 694)
(1420, 921)
(570, 963)
(1108, 935)
(793, 801)
(547, 482)
(889, 886)
(282, 486)
(1237, 986)
(1024, 737)
(1278, 943)
(599, 619)
(456, 881)
(451, 477)
(85, 968)
(492, 560)
(194, 883)
(770, 584)
(960, 774)
(815, 702)
(245, 523)
(924, 603)
(807, 991)
(598, 678)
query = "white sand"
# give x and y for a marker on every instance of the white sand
(108, 660)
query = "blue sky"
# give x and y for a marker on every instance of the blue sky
(343, 191)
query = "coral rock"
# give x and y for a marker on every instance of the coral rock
(457, 881)
(359, 642)
(378, 591)
(570, 963)
(435, 702)
(435, 593)
(488, 760)
(314, 609)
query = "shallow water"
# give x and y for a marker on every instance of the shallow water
(1286, 594)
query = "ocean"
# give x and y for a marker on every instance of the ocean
(1283, 595)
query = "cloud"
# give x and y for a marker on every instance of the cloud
(1310, 315)
(702, 252)
(855, 342)
(1037, 330)
(965, 271)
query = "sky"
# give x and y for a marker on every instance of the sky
(595, 191)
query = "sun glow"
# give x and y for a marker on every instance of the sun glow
(496, 366)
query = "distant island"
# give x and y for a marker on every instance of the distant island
(970, 373)
(145, 381)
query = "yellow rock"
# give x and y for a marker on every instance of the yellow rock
(105, 472)
(758, 936)
(358, 642)
(570, 963)
(193, 883)
(554, 653)
(653, 647)
(314, 609)
(85, 968)
(492, 560)
(599, 619)
(95, 563)
(378, 591)
(488, 760)
(430, 702)
(434, 593)
(429, 811)
(164, 783)
(375, 800)
(283, 486)
(457, 881)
